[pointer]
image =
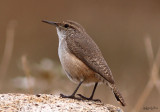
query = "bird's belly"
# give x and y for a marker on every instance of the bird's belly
(75, 69)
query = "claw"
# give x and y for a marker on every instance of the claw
(65, 96)
(83, 97)
(71, 96)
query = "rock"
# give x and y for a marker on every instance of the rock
(14, 102)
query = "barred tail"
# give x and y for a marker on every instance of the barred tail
(117, 94)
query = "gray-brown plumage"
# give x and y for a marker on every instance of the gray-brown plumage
(81, 58)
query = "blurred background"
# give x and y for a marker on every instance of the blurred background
(124, 31)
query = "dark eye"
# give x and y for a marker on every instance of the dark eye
(66, 25)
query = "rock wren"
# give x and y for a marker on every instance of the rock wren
(82, 59)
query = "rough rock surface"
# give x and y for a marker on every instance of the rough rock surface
(14, 102)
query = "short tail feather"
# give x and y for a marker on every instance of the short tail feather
(118, 95)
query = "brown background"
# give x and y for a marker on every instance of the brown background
(118, 27)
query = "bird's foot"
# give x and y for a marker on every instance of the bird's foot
(91, 99)
(70, 96)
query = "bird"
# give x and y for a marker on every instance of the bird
(82, 60)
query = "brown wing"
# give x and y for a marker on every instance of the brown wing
(84, 48)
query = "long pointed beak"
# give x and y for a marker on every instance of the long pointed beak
(50, 22)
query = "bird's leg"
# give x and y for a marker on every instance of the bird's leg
(91, 97)
(73, 94)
